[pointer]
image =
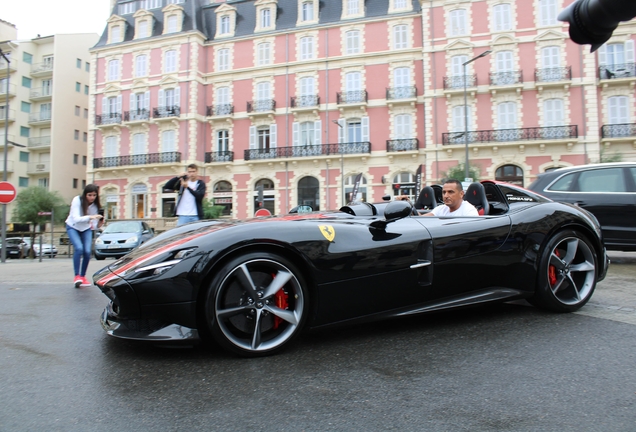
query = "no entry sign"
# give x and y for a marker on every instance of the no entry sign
(7, 192)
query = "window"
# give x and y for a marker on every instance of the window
(47, 87)
(150, 4)
(78, 87)
(548, 11)
(307, 48)
(399, 37)
(306, 86)
(309, 192)
(127, 8)
(23, 182)
(223, 141)
(139, 106)
(168, 142)
(85, 89)
(308, 11)
(75, 183)
(459, 121)
(404, 184)
(224, 25)
(501, 17)
(353, 81)
(84, 159)
(87, 67)
(175, 1)
(76, 159)
(76, 134)
(308, 133)
(553, 112)
(222, 95)
(27, 58)
(507, 115)
(362, 190)
(402, 83)
(170, 61)
(78, 63)
(457, 20)
(353, 41)
(617, 60)
(550, 57)
(503, 61)
(113, 71)
(602, 180)
(510, 174)
(266, 18)
(85, 113)
(172, 24)
(403, 126)
(223, 59)
(25, 107)
(110, 146)
(77, 110)
(263, 139)
(85, 137)
(115, 34)
(263, 56)
(353, 7)
(111, 107)
(141, 65)
(139, 144)
(142, 29)
(618, 109)
(26, 82)
(24, 131)
(24, 156)
(400, 4)
(263, 93)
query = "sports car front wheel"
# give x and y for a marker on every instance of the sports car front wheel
(256, 304)
(567, 273)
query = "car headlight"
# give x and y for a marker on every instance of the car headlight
(157, 269)
(99, 241)
(132, 239)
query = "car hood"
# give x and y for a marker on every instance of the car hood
(118, 236)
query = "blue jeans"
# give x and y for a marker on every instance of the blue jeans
(182, 220)
(82, 244)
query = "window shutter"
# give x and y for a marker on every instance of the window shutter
(105, 105)
(629, 51)
(602, 55)
(341, 131)
(272, 135)
(147, 100)
(295, 133)
(365, 129)
(252, 137)
(317, 132)
(162, 98)
(119, 104)
(177, 96)
(133, 102)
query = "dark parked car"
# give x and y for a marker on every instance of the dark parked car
(253, 285)
(15, 247)
(120, 237)
(606, 190)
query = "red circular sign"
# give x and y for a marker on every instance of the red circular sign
(262, 212)
(7, 192)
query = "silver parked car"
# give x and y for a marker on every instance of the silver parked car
(120, 237)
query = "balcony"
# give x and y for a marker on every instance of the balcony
(618, 130)
(39, 167)
(137, 115)
(9, 164)
(3, 115)
(41, 93)
(140, 159)
(308, 151)
(220, 156)
(456, 82)
(308, 102)
(221, 110)
(3, 67)
(352, 97)
(42, 69)
(261, 106)
(406, 93)
(108, 119)
(166, 112)
(547, 75)
(40, 117)
(39, 142)
(617, 71)
(6, 90)
(400, 145)
(508, 135)
(507, 78)
(10, 137)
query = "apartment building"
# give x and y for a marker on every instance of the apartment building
(44, 89)
(286, 102)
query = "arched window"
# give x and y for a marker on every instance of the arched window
(510, 174)
(404, 184)
(309, 192)
(362, 188)
(264, 195)
(222, 196)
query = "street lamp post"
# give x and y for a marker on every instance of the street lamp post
(485, 53)
(3, 254)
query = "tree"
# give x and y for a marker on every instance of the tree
(35, 199)
(458, 172)
(211, 211)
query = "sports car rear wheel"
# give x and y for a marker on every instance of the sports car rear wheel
(256, 304)
(567, 274)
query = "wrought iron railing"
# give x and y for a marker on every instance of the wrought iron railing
(615, 71)
(354, 96)
(166, 111)
(137, 115)
(106, 119)
(553, 74)
(305, 101)
(219, 156)
(219, 110)
(457, 81)
(618, 130)
(261, 105)
(402, 145)
(140, 159)
(307, 151)
(506, 78)
(405, 92)
(503, 135)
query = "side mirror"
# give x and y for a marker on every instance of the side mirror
(395, 210)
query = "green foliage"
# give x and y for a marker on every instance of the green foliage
(35, 199)
(211, 211)
(459, 172)
(604, 158)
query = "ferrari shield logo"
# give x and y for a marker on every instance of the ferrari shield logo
(328, 232)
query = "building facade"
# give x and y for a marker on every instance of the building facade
(285, 102)
(44, 89)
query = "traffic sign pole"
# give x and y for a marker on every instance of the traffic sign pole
(7, 195)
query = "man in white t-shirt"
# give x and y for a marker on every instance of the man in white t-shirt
(189, 206)
(453, 195)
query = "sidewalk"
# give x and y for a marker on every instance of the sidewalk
(58, 270)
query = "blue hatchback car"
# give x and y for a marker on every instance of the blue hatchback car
(120, 237)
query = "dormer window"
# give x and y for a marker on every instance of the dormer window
(172, 18)
(116, 29)
(224, 27)
(266, 18)
(266, 13)
(172, 24)
(307, 12)
(126, 8)
(144, 21)
(352, 9)
(225, 21)
(396, 6)
(115, 34)
(142, 29)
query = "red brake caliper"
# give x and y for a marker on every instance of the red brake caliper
(280, 298)
(552, 279)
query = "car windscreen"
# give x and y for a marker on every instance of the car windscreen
(121, 227)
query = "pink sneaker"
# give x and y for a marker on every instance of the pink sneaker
(85, 282)
(78, 281)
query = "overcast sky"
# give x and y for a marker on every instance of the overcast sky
(48, 17)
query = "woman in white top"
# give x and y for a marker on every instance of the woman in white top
(83, 218)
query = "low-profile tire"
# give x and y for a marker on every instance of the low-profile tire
(567, 273)
(256, 304)
(99, 257)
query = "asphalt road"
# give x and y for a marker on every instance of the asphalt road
(500, 368)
